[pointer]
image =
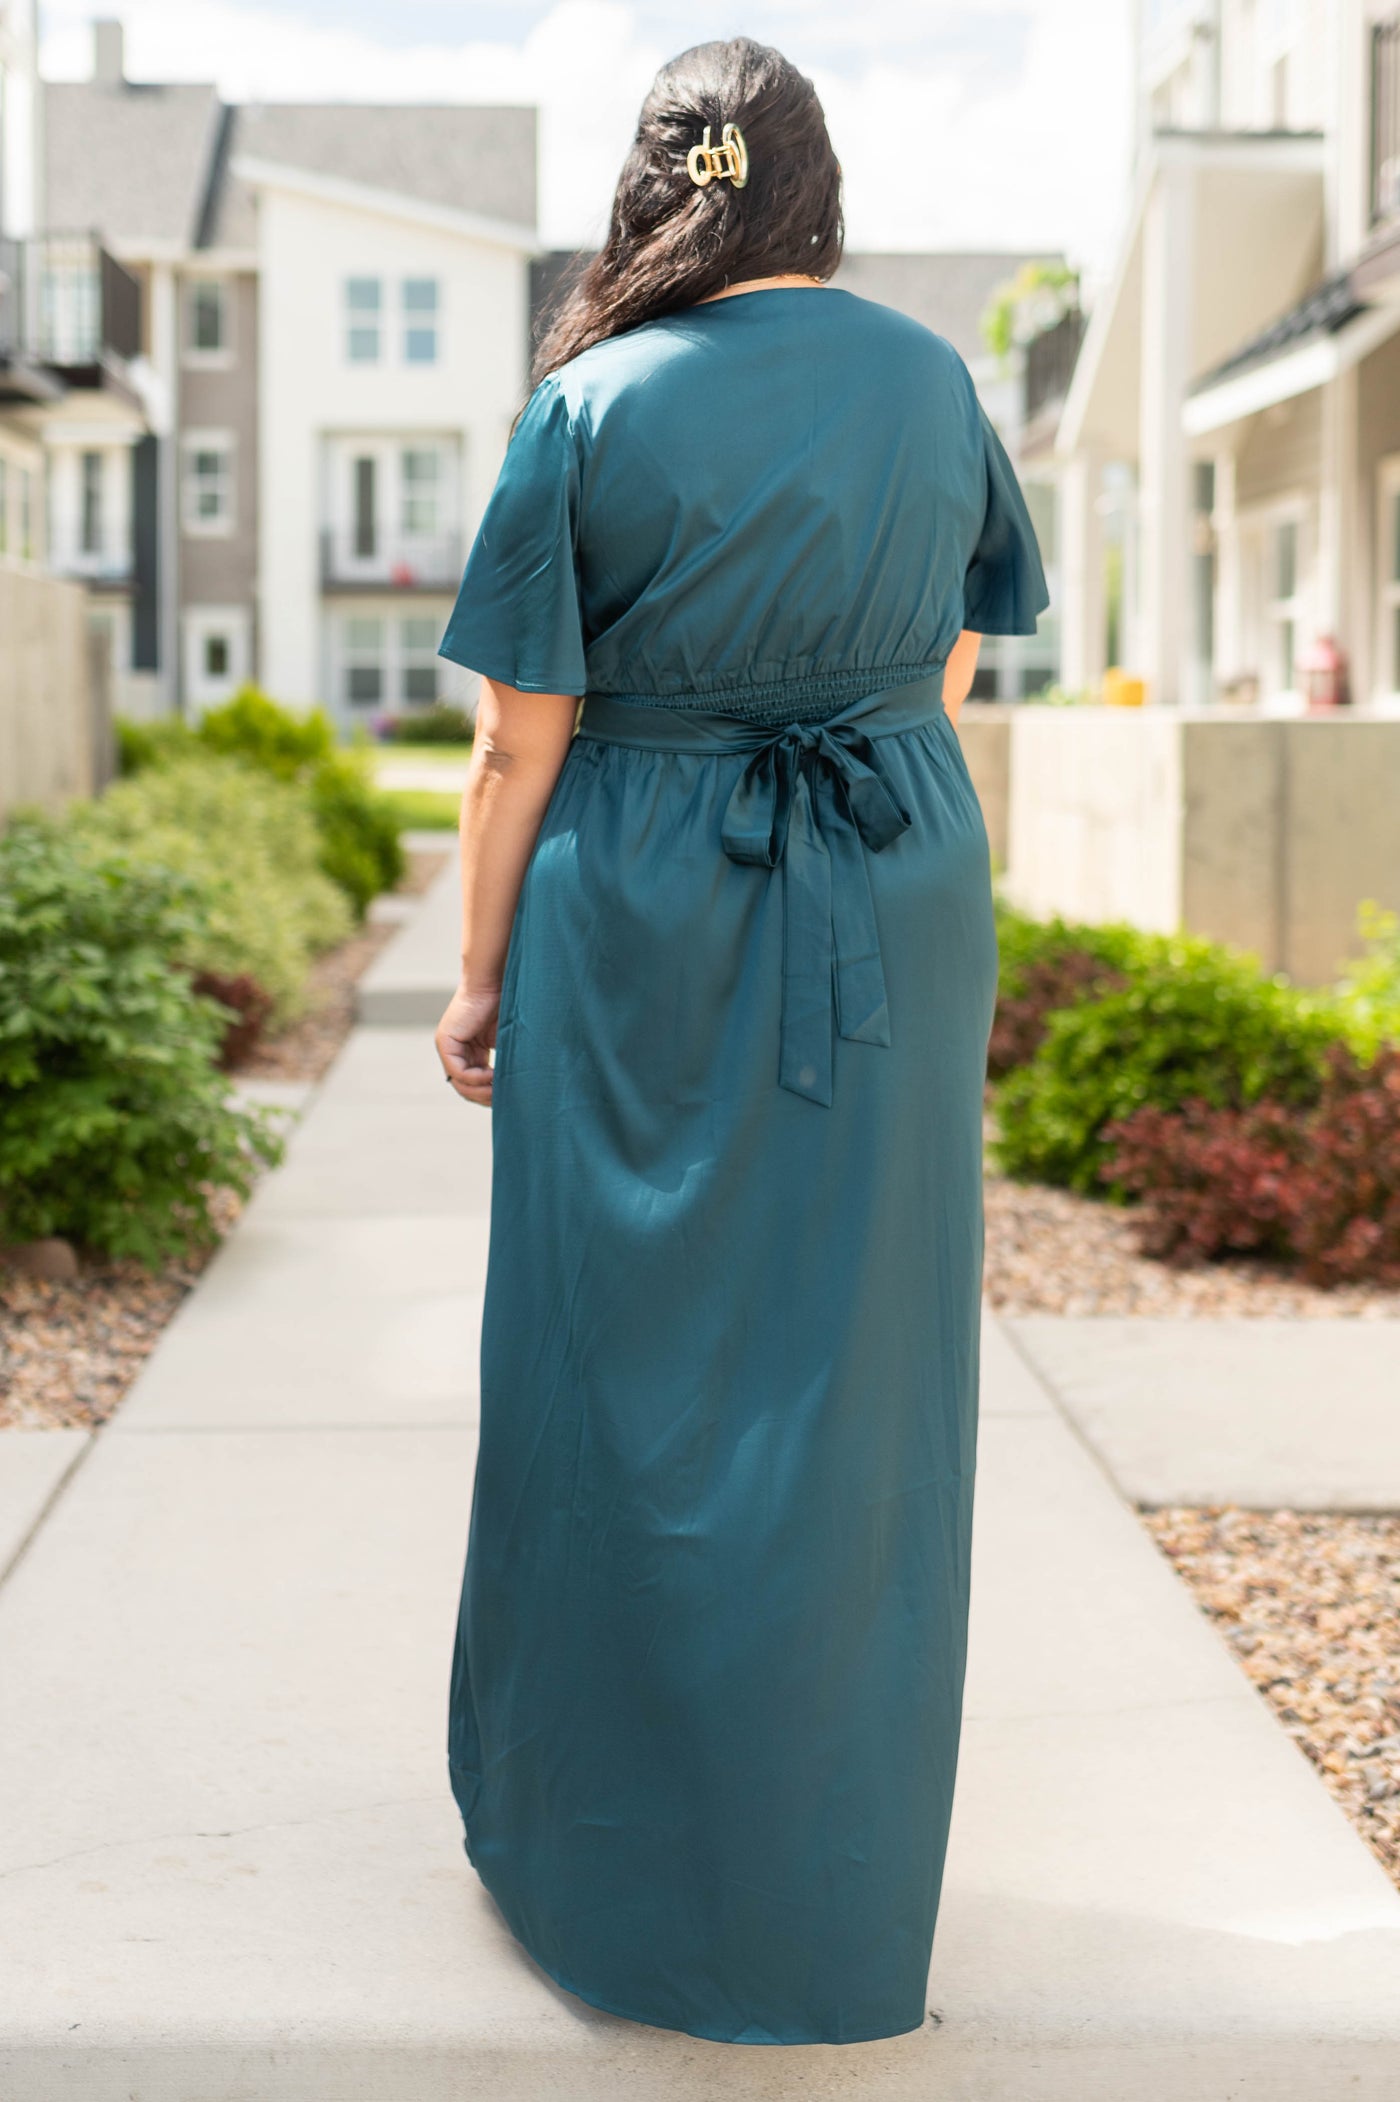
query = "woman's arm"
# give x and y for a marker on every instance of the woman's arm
(957, 676)
(521, 742)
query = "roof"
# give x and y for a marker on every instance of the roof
(947, 292)
(1323, 311)
(132, 160)
(473, 159)
(149, 162)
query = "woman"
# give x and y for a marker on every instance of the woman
(733, 948)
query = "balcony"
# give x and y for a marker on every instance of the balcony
(67, 305)
(356, 560)
(1385, 121)
(111, 569)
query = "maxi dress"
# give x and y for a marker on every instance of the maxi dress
(705, 1697)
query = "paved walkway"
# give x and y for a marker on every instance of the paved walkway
(1270, 1414)
(231, 1868)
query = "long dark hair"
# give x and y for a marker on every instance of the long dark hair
(672, 241)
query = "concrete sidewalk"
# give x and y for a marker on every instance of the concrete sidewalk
(1274, 1414)
(232, 1870)
(411, 980)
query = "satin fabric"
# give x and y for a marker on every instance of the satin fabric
(707, 1681)
(767, 504)
(707, 1677)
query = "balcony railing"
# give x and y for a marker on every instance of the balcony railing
(353, 561)
(1050, 362)
(65, 302)
(1385, 120)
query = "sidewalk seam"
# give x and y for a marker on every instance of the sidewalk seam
(32, 1530)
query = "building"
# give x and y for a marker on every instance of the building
(24, 382)
(69, 322)
(324, 412)
(950, 293)
(1234, 417)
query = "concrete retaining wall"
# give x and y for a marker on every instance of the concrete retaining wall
(1262, 831)
(984, 729)
(54, 715)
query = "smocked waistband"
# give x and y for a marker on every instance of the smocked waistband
(883, 712)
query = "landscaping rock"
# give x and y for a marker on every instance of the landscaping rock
(53, 1259)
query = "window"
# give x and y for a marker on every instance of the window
(1278, 93)
(1388, 579)
(362, 315)
(208, 491)
(1278, 29)
(420, 320)
(420, 475)
(1283, 608)
(362, 643)
(418, 675)
(207, 317)
(364, 525)
(215, 653)
(90, 530)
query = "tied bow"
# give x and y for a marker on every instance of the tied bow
(812, 798)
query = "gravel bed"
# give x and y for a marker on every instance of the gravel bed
(69, 1352)
(1053, 1252)
(1309, 1603)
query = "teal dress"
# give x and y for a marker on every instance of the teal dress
(706, 1691)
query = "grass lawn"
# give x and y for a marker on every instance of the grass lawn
(428, 754)
(424, 809)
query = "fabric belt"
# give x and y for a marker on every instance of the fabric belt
(812, 797)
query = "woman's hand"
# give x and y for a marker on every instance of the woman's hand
(466, 1036)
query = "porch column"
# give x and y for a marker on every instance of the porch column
(1339, 597)
(1083, 607)
(1164, 463)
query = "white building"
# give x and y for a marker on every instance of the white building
(392, 344)
(1240, 378)
(334, 342)
(23, 382)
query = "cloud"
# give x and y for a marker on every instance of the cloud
(967, 126)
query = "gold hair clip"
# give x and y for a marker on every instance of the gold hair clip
(730, 157)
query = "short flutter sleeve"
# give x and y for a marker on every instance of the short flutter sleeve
(1004, 589)
(517, 616)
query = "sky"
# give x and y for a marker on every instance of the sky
(977, 124)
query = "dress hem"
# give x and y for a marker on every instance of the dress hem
(650, 2021)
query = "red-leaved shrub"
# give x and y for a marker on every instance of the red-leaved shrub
(1040, 987)
(1318, 1189)
(250, 1007)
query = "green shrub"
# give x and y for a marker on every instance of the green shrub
(1370, 988)
(251, 850)
(1194, 1022)
(115, 1127)
(274, 739)
(142, 745)
(358, 827)
(1045, 965)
